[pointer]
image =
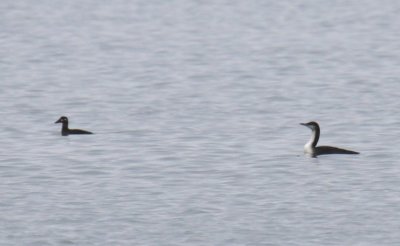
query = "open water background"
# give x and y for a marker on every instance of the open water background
(196, 108)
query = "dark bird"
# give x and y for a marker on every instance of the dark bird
(311, 146)
(65, 131)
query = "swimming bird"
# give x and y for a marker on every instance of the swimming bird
(311, 146)
(65, 131)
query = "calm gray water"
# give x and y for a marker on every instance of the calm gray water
(196, 108)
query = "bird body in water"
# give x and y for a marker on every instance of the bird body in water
(65, 131)
(312, 149)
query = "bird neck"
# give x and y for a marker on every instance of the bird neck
(65, 126)
(314, 137)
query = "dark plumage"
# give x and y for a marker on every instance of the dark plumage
(311, 146)
(65, 131)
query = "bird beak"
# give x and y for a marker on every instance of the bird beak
(303, 124)
(58, 121)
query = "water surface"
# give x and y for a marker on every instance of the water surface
(196, 109)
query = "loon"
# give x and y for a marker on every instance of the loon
(65, 131)
(311, 146)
